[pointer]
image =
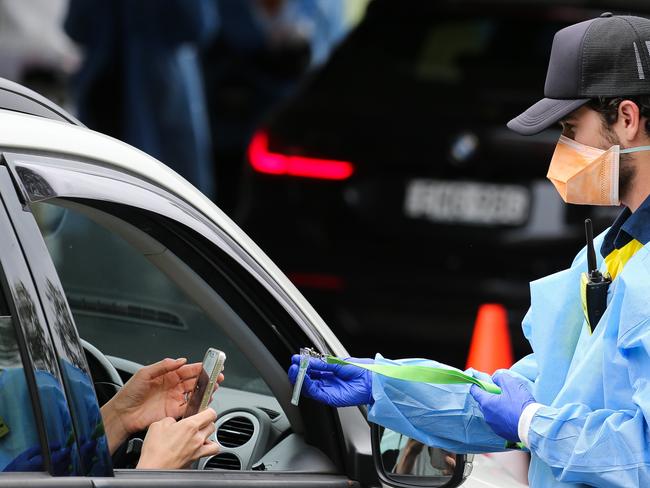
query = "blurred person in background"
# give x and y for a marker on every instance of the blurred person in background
(35, 51)
(262, 51)
(140, 79)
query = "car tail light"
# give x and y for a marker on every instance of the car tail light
(317, 280)
(273, 163)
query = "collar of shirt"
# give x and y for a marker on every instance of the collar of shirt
(626, 227)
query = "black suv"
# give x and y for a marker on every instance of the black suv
(390, 190)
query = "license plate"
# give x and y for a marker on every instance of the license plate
(466, 202)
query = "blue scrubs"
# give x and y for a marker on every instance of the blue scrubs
(593, 428)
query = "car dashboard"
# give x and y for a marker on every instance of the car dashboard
(253, 432)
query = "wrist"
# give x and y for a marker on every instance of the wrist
(158, 462)
(144, 463)
(116, 431)
(370, 400)
(525, 420)
(413, 448)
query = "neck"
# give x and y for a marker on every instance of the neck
(639, 188)
(633, 202)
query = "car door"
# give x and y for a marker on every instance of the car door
(207, 264)
(39, 438)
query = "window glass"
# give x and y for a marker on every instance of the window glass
(430, 58)
(20, 448)
(127, 307)
(455, 50)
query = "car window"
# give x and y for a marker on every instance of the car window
(454, 50)
(20, 448)
(125, 305)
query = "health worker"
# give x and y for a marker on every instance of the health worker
(581, 401)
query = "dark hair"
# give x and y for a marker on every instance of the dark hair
(608, 108)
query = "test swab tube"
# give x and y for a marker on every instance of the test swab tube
(302, 371)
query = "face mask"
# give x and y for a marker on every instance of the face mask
(587, 175)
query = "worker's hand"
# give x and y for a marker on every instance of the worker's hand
(334, 384)
(171, 444)
(502, 411)
(153, 393)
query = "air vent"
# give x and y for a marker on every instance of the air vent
(271, 413)
(235, 432)
(225, 460)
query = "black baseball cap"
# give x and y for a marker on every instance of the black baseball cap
(608, 56)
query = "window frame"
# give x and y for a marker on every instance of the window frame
(41, 177)
(14, 270)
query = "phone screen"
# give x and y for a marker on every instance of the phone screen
(213, 362)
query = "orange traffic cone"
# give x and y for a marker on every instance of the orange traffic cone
(490, 348)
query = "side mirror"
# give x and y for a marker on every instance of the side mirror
(402, 462)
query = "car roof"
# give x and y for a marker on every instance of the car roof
(17, 98)
(19, 131)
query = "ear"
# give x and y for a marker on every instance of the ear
(629, 122)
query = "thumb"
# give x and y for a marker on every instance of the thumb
(312, 389)
(309, 388)
(292, 373)
(162, 367)
(479, 394)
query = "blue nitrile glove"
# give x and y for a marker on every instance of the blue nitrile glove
(502, 411)
(334, 384)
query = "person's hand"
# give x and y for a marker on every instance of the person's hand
(334, 384)
(450, 465)
(171, 444)
(502, 411)
(153, 393)
(408, 456)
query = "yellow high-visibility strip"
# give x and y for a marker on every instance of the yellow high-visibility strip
(614, 262)
(618, 258)
(584, 279)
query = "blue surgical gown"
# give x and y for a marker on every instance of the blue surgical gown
(595, 388)
(20, 449)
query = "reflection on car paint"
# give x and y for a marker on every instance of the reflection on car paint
(81, 394)
(67, 334)
(58, 423)
(38, 341)
(66, 384)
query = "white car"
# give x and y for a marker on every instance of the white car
(100, 241)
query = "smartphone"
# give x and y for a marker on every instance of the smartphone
(213, 363)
